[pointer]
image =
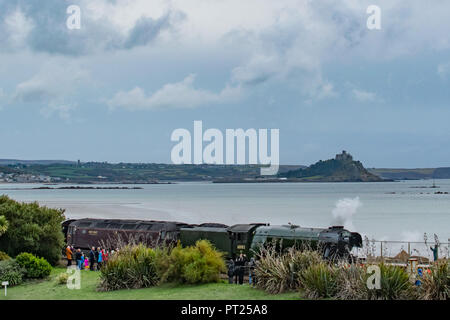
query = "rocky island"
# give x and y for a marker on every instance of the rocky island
(340, 169)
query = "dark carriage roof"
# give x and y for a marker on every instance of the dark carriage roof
(244, 227)
(125, 224)
(213, 225)
(205, 226)
(204, 229)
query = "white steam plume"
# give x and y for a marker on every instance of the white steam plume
(344, 211)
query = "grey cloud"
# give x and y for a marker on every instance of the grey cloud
(48, 32)
(147, 29)
(257, 70)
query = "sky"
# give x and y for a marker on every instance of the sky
(116, 88)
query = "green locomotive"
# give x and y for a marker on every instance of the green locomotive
(247, 238)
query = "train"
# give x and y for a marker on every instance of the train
(334, 241)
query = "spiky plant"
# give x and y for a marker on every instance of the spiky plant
(320, 281)
(131, 268)
(272, 271)
(351, 284)
(436, 285)
(279, 270)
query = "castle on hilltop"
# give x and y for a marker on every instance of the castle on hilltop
(344, 156)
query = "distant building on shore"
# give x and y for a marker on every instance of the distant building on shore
(344, 156)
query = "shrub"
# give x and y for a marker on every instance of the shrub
(34, 267)
(3, 225)
(351, 282)
(320, 281)
(194, 264)
(4, 256)
(436, 286)
(162, 261)
(395, 284)
(138, 266)
(300, 261)
(279, 271)
(32, 228)
(11, 271)
(272, 271)
(130, 268)
(62, 278)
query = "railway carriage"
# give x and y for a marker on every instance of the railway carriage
(87, 233)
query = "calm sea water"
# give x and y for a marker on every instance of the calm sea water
(402, 210)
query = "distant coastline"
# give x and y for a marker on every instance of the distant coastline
(62, 172)
(86, 188)
(268, 180)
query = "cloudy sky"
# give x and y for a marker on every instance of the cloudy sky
(115, 89)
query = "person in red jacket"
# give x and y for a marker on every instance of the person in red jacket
(105, 255)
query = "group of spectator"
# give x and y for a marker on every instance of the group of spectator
(238, 267)
(94, 260)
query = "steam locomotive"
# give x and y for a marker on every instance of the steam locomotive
(232, 240)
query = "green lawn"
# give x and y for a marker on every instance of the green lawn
(49, 290)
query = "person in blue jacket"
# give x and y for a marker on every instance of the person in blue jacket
(419, 278)
(100, 258)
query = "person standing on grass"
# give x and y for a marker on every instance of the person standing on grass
(100, 258)
(105, 256)
(79, 258)
(92, 259)
(230, 271)
(237, 268)
(96, 256)
(82, 261)
(69, 256)
(240, 263)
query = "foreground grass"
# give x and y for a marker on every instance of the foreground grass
(49, 289)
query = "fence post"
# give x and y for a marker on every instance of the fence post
(381, 249)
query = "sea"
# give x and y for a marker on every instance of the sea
(414, 210)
